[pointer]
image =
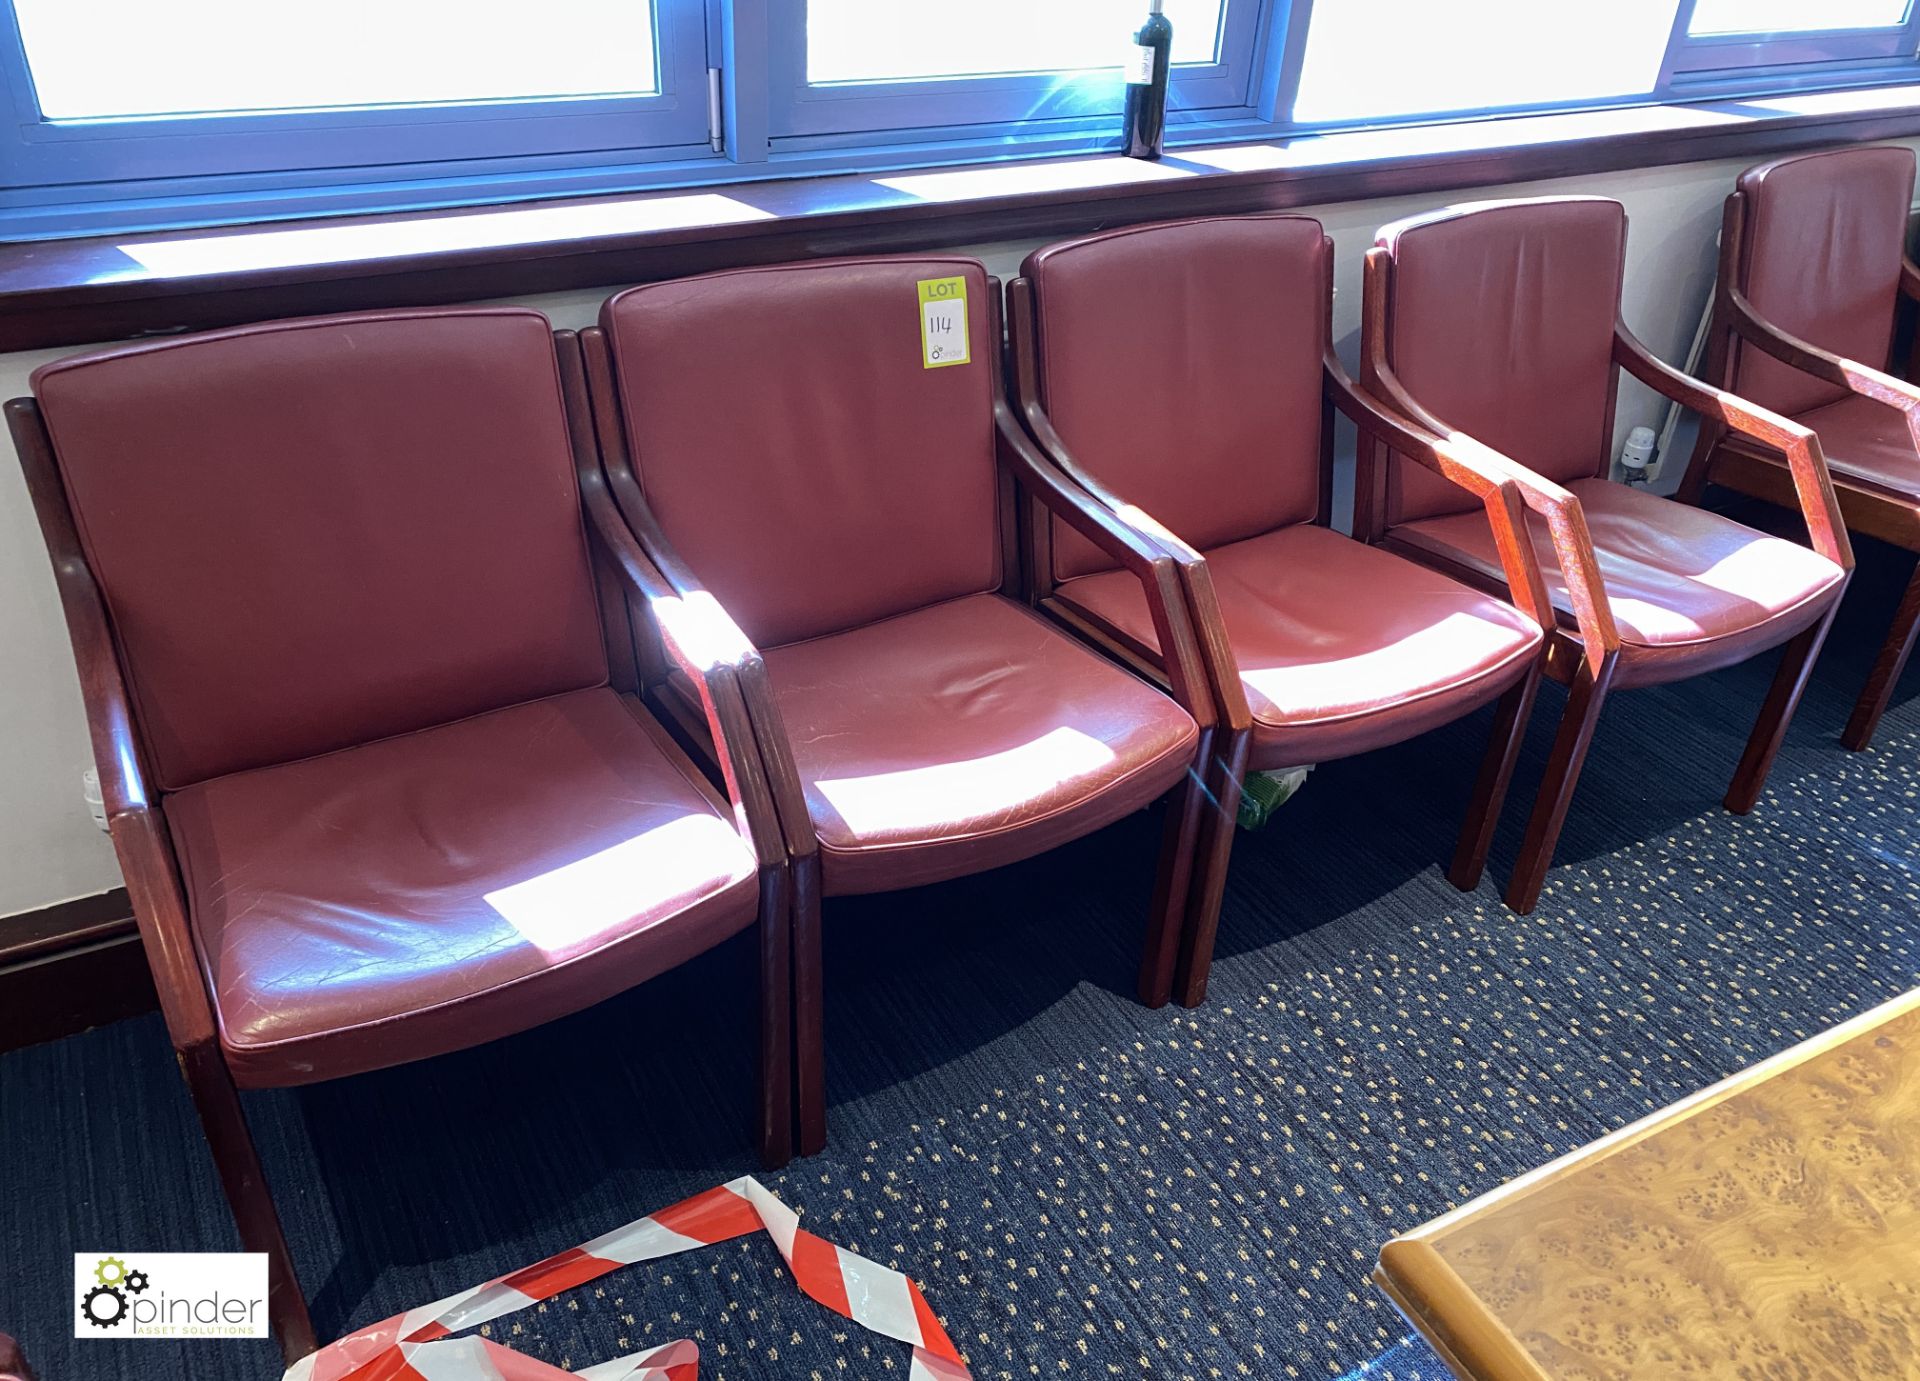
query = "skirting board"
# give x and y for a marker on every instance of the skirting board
(70, 966)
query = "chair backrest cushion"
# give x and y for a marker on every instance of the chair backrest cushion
(1501, 325)
(797, 450)
(1181, 364)
(314, 534)
(1824, 236)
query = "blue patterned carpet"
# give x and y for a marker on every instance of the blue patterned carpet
(1084, 1188)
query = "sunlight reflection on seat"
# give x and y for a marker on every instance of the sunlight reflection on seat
(1045, 176)
(1766, 575)
(942, 792)
(335, 244)
(1328, 681)
(573, 906)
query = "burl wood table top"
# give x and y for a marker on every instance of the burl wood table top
(1767, 1227)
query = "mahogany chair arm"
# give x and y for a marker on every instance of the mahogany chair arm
(1809, 358)
(138, 831)
(1566, 522)
(1196, 579)
(1190, 676)
(1909, 277)
(695, 633)
(751, 680)
(1506, 508)
(1801, 446)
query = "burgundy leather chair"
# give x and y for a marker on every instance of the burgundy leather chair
(1207, 403)
(1813, 265)
(778, 445)
(378, 787)
(1503, 319)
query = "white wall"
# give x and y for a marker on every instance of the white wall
(49, 848)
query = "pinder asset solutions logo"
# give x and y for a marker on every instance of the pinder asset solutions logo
(170, 1295)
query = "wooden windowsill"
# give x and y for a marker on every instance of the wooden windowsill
(68, 292)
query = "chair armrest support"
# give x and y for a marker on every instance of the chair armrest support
(586, 368)
(1116, 532)
(139, 831)
(1805, 460)
(1506, 508)
(696, 633)
(704, 643)
(1824, 365)
(1566, 522)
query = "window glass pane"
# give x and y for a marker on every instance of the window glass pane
(95, 59)
(912, 40)
(1793, 16)
(1372, 59)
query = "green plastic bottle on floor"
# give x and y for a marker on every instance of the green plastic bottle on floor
(1265, 792)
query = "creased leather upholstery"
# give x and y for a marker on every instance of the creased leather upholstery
(1824, 237)
(280, 584)
(823, 498)
(1869, 441)
(1502, 327)
(1690, 590)
(963, 736)
(1342, 647)
(1188, 371)
(346, 568)
(432, 891)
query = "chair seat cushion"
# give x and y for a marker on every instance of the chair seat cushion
(963, 736)
(1341, 647)
(424, 893)
(1690, 590)
(1869, 441)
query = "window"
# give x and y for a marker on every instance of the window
(1731, 37)
(156, 89)
(842, 67)
(1713, 17)
(199, 57)
(1426, 58)
(147, 113)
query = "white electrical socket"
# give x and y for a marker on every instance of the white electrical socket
(90, 793)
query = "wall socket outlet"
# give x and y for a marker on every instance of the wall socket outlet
(90, 793)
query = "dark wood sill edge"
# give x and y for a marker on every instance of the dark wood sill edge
(70, 966)
(71, 292)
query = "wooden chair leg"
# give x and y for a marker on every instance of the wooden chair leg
(1173, 880)
(1887, 666)
(1490, 790)
(245, 1184)
(1220, 816)
(1783, 697)
(776, 1018)
(809, 1008)
(1584, 698)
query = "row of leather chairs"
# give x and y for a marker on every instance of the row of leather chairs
(448, 674)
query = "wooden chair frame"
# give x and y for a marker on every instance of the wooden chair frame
(1585, 656)
(1023, 472)
(1891, 515)
(1497, 491)
(145, 851)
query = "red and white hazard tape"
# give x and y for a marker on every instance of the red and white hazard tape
(418, 1346)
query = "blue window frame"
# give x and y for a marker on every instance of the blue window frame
(720, 90)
